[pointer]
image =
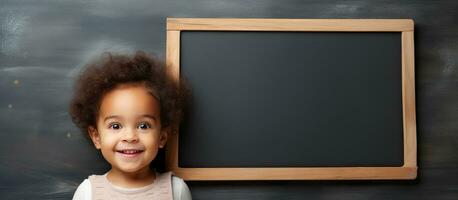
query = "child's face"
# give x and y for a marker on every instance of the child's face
(129, 128)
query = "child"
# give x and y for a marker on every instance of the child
(126, 106)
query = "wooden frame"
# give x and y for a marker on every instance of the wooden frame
(405, 26)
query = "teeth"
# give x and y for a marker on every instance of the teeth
(130, 151)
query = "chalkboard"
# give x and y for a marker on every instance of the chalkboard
(281, 103)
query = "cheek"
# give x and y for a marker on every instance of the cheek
(150, 140)
(108, 143)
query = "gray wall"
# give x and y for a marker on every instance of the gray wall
(43, 44)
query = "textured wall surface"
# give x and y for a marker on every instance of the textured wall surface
(44, 44)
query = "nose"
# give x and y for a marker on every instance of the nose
(130, 135)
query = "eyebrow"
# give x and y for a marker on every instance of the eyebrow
(149, 116)
(142, 116)
(111, 117)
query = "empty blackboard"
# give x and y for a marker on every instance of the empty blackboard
(294, 99)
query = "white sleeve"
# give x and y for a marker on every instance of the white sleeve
(83, 192)
(180, 189)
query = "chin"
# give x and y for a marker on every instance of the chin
(130, 169)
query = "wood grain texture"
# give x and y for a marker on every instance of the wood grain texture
(408, 100)
(328, 173)
(173, 53)
(343, 25)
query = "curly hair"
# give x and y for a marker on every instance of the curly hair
(111, 70)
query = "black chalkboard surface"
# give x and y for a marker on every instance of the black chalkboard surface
(294, 99)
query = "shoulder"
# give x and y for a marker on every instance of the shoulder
(83, 192)
(180, 189)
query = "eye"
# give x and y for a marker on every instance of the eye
(144, 125)
(115, 126)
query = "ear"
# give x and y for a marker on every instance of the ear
(95, 136)
(163, 138)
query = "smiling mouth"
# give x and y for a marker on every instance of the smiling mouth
(129, 153)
